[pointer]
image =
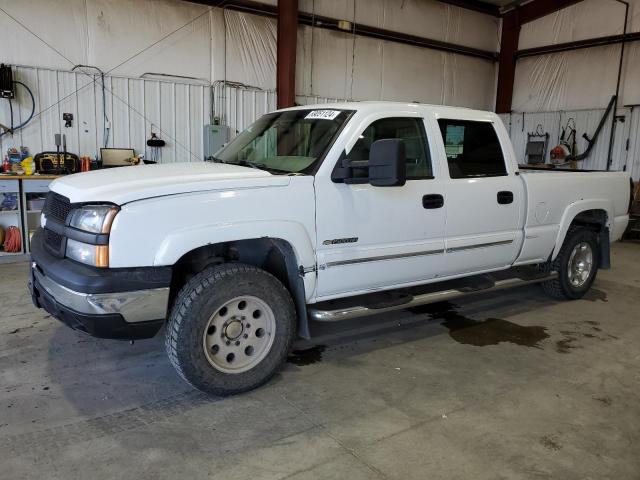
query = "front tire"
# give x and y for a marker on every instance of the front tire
(230, 329)
(576, 265)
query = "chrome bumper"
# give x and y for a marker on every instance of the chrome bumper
(134, 306)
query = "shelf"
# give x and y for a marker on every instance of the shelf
(8, 254)
(34, 211)
(7, 212)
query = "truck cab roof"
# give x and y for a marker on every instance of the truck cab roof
(439, 111)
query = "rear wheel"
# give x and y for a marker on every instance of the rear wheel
(231, 328)
(576, 265)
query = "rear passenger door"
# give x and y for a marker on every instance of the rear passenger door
(483, 198)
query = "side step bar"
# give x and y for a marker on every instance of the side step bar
(317, 313)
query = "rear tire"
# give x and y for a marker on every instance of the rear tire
(576, 265)
(230, 329)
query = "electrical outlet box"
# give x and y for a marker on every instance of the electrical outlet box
(215, 137)
(6, 82)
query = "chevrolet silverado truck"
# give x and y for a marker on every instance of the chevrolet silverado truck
(320, 213)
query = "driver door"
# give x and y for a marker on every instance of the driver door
(375, 238)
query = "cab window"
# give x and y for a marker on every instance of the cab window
(411, 131)
(472, 148)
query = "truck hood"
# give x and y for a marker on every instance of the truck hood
(127, 184)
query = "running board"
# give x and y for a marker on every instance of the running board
(318, 313)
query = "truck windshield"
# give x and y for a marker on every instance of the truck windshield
(292, 141)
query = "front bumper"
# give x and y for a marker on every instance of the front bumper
(89, 301)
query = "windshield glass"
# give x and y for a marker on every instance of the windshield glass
(286, 142)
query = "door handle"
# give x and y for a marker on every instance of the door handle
(432, 201)
(505, 197)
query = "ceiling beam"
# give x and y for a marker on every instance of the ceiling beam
(476, 6)
(535, 9)
(330, 23)
(579, 44)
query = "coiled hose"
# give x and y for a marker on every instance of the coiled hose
(13, 128)
(13, 240)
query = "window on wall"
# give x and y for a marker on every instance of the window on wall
(472, 149)
(411, 131)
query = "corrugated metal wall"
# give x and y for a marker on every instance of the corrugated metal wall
(633, 154)
(586, 121)
(239, 107)
(176, 111)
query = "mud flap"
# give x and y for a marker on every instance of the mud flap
(605, 249)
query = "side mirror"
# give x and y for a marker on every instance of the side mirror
(387, 163)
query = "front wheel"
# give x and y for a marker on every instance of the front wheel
(576, 265)
(230, 329)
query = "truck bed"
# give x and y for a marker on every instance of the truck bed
(553, 198)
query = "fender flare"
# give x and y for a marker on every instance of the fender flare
(180, 242)
(573, 210)
(289, 238)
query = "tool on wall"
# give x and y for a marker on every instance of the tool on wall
(154, 143)
(591, 141)
(7, 91)
(567, 145)
(68, 119)
(536, 148)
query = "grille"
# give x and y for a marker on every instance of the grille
(53, 240)
(56, 206)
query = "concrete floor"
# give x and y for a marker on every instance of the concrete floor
(541, 389)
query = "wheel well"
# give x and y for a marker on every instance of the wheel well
(273, 255)
(596, 220)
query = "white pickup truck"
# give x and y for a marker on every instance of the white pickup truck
(320, 212)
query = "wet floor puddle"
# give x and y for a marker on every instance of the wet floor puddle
(595, 295)
(481, 333)
(306, 356)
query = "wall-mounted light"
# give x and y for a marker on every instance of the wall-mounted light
(345, 25)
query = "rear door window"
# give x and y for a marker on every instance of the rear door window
(472, 148)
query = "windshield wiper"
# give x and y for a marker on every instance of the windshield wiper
(246, 163)
(214, 159)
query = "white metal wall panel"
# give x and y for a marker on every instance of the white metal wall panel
(168, 121)
(239, 107)
(506, 119)
(49, 119)
(314, 99)
(633, 155)
(196, 121)
(135, 107)
(120, 132)
(183, 126)
(522, 124)
(518, 124)
(68, 104)
(587, 122)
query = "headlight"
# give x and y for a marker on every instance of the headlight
(93, 218)
(95, 255)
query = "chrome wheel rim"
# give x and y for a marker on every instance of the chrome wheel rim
(239, 334)
(580, 264)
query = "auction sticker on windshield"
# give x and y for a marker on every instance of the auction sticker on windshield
(322, 114)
